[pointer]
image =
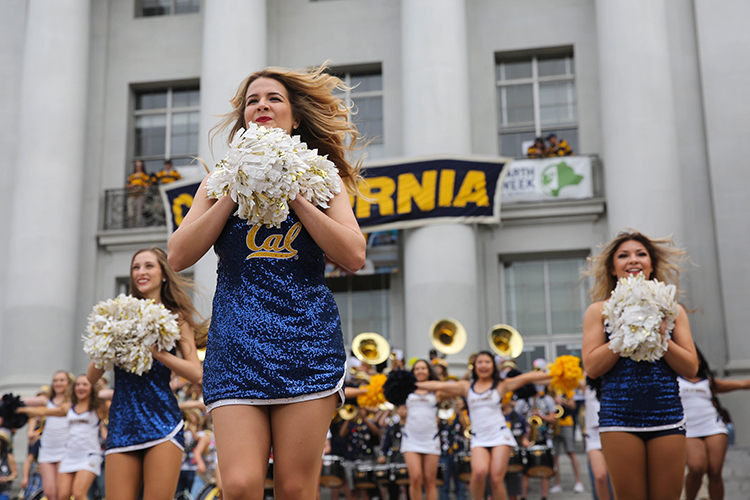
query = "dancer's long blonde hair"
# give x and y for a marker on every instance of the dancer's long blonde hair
(666, 262)
(324, 118)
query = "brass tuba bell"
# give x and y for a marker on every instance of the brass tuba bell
(506, 341)
(371, 348)
(347, 412)
(448, 336)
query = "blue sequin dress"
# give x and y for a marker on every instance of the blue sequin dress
(144, 411)
(275, 333)
(640, 396)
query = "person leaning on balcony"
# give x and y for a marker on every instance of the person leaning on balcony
(137, 185)
(557, 147)
(168, 173)
(536, 150)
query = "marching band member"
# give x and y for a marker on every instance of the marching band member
(452, 442)
(491, 439)
(541, 406)
(390, 449)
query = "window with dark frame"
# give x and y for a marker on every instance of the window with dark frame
(151, 8)
(536, 96)
(166, 123)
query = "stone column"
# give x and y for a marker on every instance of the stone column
(440, 262)
(43, 270)
(641, 160)
(234, 45)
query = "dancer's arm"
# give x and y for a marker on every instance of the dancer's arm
(188, 366)
(334, 229)
(681, 355)
(199, 229)
(460, 388)
(722, 385)
(597, 357)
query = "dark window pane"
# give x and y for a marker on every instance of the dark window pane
(511, 143)
(557, 103)
(150, 135)
(185, 98)
(185, 133)
(510, 70)
(155, 7)
(156, 99)
(367, 83)
(516, 105)
(369, 119)
(186, 6)
(555, 66)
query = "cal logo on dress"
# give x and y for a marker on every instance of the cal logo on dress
(276, 246)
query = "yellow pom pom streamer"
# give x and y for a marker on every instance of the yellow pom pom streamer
(566, 374)
(374, 395)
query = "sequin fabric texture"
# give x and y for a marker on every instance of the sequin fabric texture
(143, 410)
(640, 395)
(275, 330)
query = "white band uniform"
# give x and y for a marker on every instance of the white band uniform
(488, 426)
(420, 434)
(82, 449)
(52, 447)
(701, 417)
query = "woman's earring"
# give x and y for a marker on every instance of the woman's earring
(164, 280)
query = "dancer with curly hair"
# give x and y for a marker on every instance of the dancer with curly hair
(641, 421)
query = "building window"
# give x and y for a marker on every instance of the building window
(364, 304)
(149, 8)
(166, 126)
(367, 99)
(545, 301)
(536, 96)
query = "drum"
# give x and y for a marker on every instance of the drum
(400, 473)
(539, 461)
(364, 476)
(383, 474)
(463, 466)
(332, 472)
(208, 492)
(269, 475)
(517, 461)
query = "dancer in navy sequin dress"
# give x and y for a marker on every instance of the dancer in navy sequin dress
(641, 421)
(145, 440)
(275, 362)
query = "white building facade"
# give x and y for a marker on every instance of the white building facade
(650, 90)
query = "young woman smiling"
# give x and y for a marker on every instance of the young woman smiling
(641, 421)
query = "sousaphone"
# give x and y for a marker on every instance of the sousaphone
(505, 341)
(371, 348)
(448, 336)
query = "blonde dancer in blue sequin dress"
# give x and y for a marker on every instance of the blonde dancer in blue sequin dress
(275, 362)
(641, 422)
(144, 440)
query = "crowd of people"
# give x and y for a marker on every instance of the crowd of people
(140, 182)
(256, 414)
(548, 147)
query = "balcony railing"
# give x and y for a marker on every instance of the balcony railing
(132, 209)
